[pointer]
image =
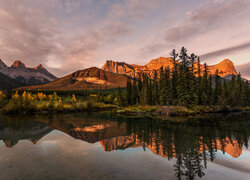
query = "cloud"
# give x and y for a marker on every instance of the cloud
(211, 26)
(67, 35)
(135, 10)
(206, 18)
(29, 33)
(244, 70)
(25, 33)
(226, 52)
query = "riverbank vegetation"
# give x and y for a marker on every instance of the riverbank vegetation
(27, 102)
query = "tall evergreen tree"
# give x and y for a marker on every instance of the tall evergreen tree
(199, 83)
(163, 91)
(218, 88)
(192, 60)
(174, 80)
(120, 98)
(205, 86)
(129, 92)
(232, 95)
(210, 91)
(155, 90)
(193, 81)
(247, 94)
(239, 91)
(150, 94)
(183, 87)
(167, 87)
(135, 96)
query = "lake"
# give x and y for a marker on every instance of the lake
(107, 146)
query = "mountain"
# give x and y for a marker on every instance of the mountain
(91, 78)
(226, 67)
(9, 83)
(30, 76)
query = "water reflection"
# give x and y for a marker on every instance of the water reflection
(190, 144)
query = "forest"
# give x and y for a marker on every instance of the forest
(186, 85)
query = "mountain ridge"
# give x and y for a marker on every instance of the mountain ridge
(115, 74)
(30, 76)
(90, 78)
(224, 68)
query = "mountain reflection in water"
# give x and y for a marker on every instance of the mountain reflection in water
(190, 143)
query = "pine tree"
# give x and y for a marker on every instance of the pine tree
(193, 81)
(134, 98)
(183, 87)
(210, 91)
(218, 88)
(205, 86)
(199, 83)
(150, 101)
(145, 97)
(223, 99)
(247, 94)
(155, 90)
(129, 92)
(174, 80)
(120, 99)
(232, 95)
(140, 98)
(163, 94)
(192, 59)
(239, 91)
(167, 87)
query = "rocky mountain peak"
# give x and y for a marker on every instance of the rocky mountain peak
(2, 64)
(225, 67)
(25, 75)
(18, 64)
(40, 66)
(227, 62)
(158, 63)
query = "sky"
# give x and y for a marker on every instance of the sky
(70, 35)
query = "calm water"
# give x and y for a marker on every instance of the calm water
(104, 146)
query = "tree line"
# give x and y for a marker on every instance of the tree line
(188, 83)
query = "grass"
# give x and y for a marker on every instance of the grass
(137, 109)
(177, 110)
(30, 103)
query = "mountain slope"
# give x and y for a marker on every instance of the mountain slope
(226, 67)
(7, 83)
(30, 76)
(91, 78)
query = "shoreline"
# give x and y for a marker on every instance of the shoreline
(130, 110)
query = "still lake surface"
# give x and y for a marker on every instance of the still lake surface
(106, 146)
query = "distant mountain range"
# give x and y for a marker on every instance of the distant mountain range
(19, 75)
(225, 67)
(115, 74)
(7, 83)
(112, 75)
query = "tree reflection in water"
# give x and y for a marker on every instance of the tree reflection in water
(190, 142)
